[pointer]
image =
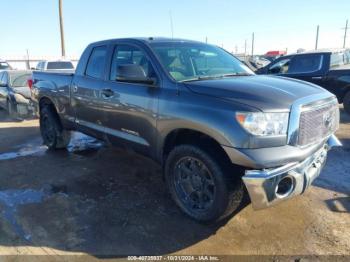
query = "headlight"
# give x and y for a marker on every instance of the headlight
(264, 124)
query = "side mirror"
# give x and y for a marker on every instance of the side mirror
(133, 74)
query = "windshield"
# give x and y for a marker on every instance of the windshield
(196, 61)
(60, 65)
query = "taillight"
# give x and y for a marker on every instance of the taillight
(30, 83)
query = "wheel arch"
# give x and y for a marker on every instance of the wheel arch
(47, 101)
(195, 137)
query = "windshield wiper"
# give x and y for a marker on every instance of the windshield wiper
(237, 74)
(199, 78)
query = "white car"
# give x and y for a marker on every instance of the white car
(57, 65)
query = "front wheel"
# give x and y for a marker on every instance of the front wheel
(346, 102)
(200, 185)
(52, 132)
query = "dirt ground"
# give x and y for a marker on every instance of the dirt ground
(95, 200)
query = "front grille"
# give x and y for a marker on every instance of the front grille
(316, 123)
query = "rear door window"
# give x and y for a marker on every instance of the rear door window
(305, 64)
(96, 63)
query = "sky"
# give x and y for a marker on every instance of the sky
(277, 25)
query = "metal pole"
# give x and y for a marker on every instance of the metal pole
(28, 62)
(318, 28)
(171, 24)
(63, 51)
(206, 40)
(346, 29)
(245, 48)
(253, 44)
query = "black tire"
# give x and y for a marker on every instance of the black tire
(52, 132)
(219, 192)
(346, 102)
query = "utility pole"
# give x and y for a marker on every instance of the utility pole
(245, 48)
(63, 50)
(253, 44)
(28, 61)
(171, 24)
(206, 40)
(318, 28)
(346, 29)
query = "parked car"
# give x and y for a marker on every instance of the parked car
(4, 65)
(326, 68)
(15, 93)
(259, 61)
(273, 55)
(198, 111)
(54, 65)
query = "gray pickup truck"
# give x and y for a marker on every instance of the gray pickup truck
(216, 128)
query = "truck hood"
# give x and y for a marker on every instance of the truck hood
(266, 93)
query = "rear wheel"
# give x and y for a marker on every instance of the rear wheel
(200, 185)
(52, 132)
(346, 102)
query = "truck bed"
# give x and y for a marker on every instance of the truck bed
(55, 85)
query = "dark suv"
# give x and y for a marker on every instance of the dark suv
(329, 69)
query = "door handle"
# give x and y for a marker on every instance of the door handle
(316, 77)
(106, 93)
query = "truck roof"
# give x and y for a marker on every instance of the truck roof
(148, 40)
(321, 51)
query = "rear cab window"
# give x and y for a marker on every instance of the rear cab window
(96, 63)
(60, 65)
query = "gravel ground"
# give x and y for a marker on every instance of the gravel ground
(95, 200)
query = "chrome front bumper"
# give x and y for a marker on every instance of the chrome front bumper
(268, 187)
